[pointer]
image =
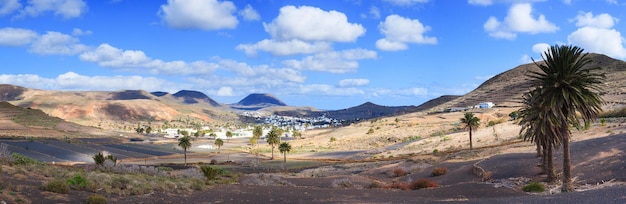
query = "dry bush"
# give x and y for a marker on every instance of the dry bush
(56, 186)
(440, 171)
(343, 183)
(422, 183)
(96, 199)
(399, 185)
(399, 172)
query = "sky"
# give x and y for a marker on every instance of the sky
(325, 54)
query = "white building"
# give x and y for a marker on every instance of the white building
(486, 105)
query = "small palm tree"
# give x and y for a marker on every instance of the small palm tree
(471, 123)
(229, 135)
(570, 89)
(272, 139)
(185, 143)
(219, 143)
(99, 159)
(284, 148)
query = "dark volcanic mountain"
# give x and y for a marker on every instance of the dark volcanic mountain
(191, 97)
(159, 93)
(256, 99)
(10, 92)
(129, 95)
(362, 112)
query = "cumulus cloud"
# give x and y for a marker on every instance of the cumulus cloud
(74, 81)
(79, 32)
(333, 62)
(16, 36)
(259, 72)
(329, 90)
(603, 20)
(399, 31)
(199, 14)
(312, 24)
(65, 8)
(283, 48)
(249, 14)
(353, 82)
(519, 19)
(540, 48)
(108, 56)
(225, 91)
(55, 43)
(9, 6)
(596, 34)
(405, 2)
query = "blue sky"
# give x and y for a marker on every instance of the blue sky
(327, 54)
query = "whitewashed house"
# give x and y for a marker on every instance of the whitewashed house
(486, 105)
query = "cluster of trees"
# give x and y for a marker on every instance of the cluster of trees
(566, 92)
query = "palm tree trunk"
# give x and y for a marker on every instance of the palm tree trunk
(544, 159)
(185, 157)
(285, 157)
(272, 152)
(567, 175)
(551, 175)
(470, 131)
(540, 149)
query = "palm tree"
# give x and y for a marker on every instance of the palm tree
(471, 123)
(534, 120)
(272, 139)
(569, 88)
(284, 148)
(219, 142)
(185, 143)
(229, 135)
(257, 132)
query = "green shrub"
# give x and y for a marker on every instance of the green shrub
(422, 183)
(56, 186)
(332, 139)
(96, 199)
(19, 159)
(535, 187)
(209, 172)
(77, 182)
(440, 171)
(165, 168)
(370, 131)
(435, 151)
(120, 183)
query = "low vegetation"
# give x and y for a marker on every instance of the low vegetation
(440, 171)
(534, 187)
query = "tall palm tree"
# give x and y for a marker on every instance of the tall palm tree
(185, 143)
(272, 139)
(569, 89)
(535, 118)
(471, 123)
(284, 148)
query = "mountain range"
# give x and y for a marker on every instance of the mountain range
(129, 107)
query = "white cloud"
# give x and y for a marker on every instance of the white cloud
(599, 40)
(9, 6)
(16, 36)
(518, 20)
(374, 12)
(353, 82)
(333, 62)
(55, 43)
(490, 2)
(329, 90)
(199, 14)
(259, 72)
(79, 32)
(225, 91)
(540, 48)
(525, 59)
(282, 48)
(597, 35)
(399, 31)
(312, 24)
(65, 8)
(603, 20)
(405, 2)
(249, 14)
(74, 81)
(108, 56)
